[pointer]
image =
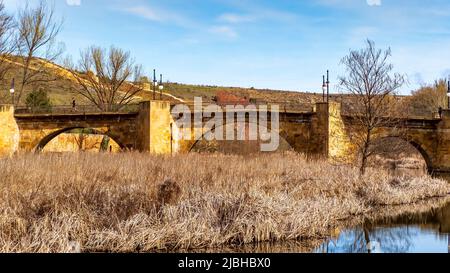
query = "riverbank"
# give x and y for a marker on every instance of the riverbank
(134, 202)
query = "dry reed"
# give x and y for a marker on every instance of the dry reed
(135, 202)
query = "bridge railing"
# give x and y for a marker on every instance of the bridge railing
(283, 105)
(78, 109)
(351, 110)
(5, 107)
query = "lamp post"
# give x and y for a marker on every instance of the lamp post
(448, 94)
(328, 86)
(155, 83)
(161, 87)
(11, 91)
(324, 88)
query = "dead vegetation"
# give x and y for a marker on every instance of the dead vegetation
(135, 202)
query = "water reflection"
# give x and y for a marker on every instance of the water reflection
(409, 233)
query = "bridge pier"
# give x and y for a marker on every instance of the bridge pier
(441, 154)
(154, 127)
(9, 131)
(329, 134)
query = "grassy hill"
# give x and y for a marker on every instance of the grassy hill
(188, 92)
(56, 82)
(61, 89)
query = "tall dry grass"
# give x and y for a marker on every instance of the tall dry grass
(136, 202)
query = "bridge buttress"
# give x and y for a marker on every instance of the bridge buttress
(329, 136)
(441, 158)
(153, 125)
(340, 146)
(9, 131)
(319, 131)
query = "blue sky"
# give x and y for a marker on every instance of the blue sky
(265, 44)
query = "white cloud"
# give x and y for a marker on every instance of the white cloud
(225, 31)
(236, 18)
(145, 12)
(374, 2)
(73, 2)
(254, 14)
(161, 15)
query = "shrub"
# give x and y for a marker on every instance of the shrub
(38, 100)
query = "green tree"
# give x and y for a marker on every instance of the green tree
(38, 100)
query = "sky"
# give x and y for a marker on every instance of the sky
(283, 44)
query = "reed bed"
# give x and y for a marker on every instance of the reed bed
(133, 202)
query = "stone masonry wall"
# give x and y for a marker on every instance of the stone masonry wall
(340, 147)
(160, 133)
(9, 131)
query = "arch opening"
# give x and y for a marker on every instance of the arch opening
(400, 154)
(242, 147)
(73, 139)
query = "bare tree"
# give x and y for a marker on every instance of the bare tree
(86, 140)
(36, 45)
(108, 79)
(428, 99)
(7, 45)
(371, 82)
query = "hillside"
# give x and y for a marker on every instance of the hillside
(188, 92)
(62, 89)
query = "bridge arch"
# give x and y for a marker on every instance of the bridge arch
(424, 154)
(414, 144)
(49, 137)
(283, 145)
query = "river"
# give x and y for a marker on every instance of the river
(412, 232)
(425, 232)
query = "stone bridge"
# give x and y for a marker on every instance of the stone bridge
(321, 131)
(143, 127)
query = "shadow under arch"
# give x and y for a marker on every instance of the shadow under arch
(417, 147)
(424, 154)
(281, 136)
(44, 141)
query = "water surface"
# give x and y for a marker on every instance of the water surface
(426, 232)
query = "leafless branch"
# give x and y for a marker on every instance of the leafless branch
(36, 44)
(107, 78)
(372, 84)
(7, 45)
